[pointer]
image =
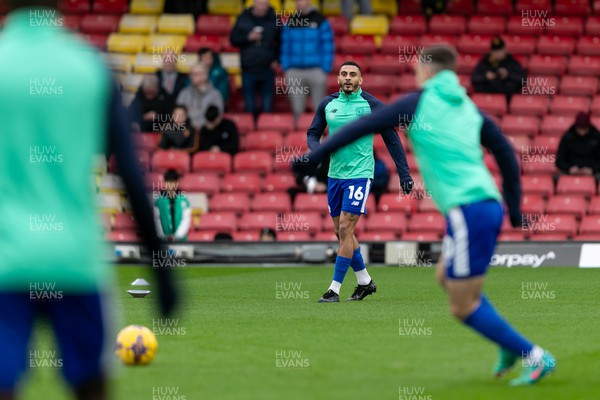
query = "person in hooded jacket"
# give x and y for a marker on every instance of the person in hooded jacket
(579, 149)
(216, 73)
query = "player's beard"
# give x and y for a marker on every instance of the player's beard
(353, 88)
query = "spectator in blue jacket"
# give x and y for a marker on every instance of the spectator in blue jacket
(307, 50)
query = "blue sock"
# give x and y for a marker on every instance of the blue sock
(357, 263)
(490, 324)
(341, 267)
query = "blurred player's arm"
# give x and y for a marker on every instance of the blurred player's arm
(380, 120)
(493, 139)
(317, 126)
(184, 225)
(120, 142)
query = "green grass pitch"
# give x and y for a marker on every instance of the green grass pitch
(258, 333)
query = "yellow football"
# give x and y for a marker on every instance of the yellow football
(136, 345)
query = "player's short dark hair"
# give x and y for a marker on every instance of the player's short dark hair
(212, 113)
(440, 57)
(352, 63)
(14, 4)
(204, 50)
(171, 175)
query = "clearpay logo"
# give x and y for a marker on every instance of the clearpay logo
(525, 260)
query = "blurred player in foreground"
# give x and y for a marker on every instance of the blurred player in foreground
(447, 131)
(59, 108)
(351, 173)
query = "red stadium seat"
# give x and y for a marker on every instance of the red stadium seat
(408, 25)
(240, 182)
(278, 182)
(556, 45)
(154, 181)
(520, 44)
(311, 221)
(518, 25)
(235, 202)
(124, 222)
(566, 204)
(387, 222)
(592, 25)
(293, 237)
(98, 41)
(304, 122)
(386, 236)
(532, 203)
(378, 85)
(243, 121)
(550, 143)
(339, 24)
(163, 160)
(393, 202)
(397, 44)
(205, 161)
(517, 125)
(427, 205)
(569, 26)
(486, 25)
(258, 220)
(521, 143)
(74, 6)
(572, 7)
(72, 22)
(275, 122)
(429, 39)
(328, 236)
(147, 141)
(594, 207)
(578, 85)
(253, 161)
(556, 124)
(246, 236)
(122, 236)
(213, 25)
(385, 64)
(201, 236)
(420, 237)
(270, 141)
(584, 65)
(511, 237)
(463, 7)
(588, 237)
(99, 23)
(550, 237)
(494, 7)
(208, 183)
(590, 224)
(218, 221)
(474, 44)
(491, 103)
(528, 5)
(356, 44)
(406, 83)
(433, 222)
(570, 184)
(110, 6)
(466, 63)
(311, 202)
(565, 224)
(528, 105)
(447, 24)
(588, 45)
(193, 43)
(296, 142)
(535, 85)
(275, 201)
(569, 105)
(537, 184)
(547, 65)
(596, 110)
(539, 164)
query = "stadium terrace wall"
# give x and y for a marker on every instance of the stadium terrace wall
(408, 254)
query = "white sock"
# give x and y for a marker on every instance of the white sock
(535, 356)
(335, 286)
(363, 277)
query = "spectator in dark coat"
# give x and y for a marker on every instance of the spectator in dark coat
(307, 51)
(219, 134)
(498, 72)
(171, 80)
(579, 149)
(256, 34)
(150, 102)
(216, 73)
(178, 134)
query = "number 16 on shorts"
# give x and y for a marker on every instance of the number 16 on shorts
(349, 195)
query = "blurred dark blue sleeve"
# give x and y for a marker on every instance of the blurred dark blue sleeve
(493, 139)
(317, 126)
(120, 142)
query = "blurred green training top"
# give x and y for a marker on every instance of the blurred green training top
(54, 97)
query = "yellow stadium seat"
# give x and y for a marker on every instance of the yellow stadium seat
(110, 183)
(176, 24)
(333, 7)
(158, 44)
(109, 203)
(369, 25)
(231, 62)
(147, 6)
(387, 7)
(119, 43)
(276, 4)
(290, 5)
(120, 62)
(186, 60)
(142, 24)
(146, 63)
(131, 82)
(225, 7)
